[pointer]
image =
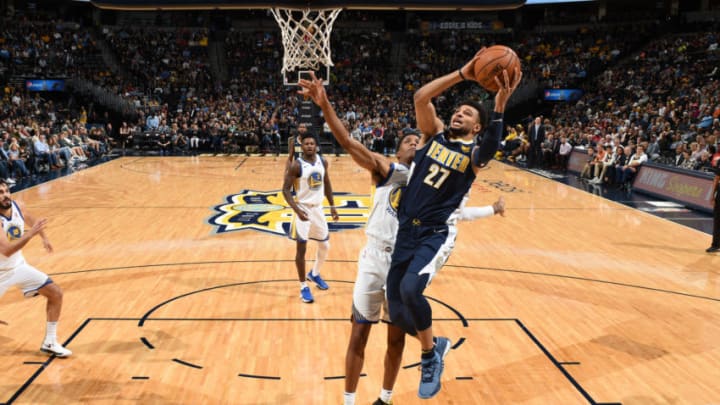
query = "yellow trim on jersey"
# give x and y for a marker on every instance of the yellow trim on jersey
(447, 157)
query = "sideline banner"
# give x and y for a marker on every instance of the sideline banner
(578, 158)
(688, 187)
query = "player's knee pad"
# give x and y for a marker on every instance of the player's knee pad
(324, 246)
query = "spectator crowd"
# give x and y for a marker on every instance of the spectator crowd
(657, 95)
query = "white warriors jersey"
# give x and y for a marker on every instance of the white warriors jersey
(309, 187)
(455, 216)
(382, 224)
(13, 227)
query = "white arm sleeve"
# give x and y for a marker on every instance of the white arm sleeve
(471, 213)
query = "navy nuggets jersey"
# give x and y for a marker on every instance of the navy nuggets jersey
(297, 147)
(441, 175)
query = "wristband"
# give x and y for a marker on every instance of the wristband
(462, 76)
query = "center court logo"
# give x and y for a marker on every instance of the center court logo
(267, 211)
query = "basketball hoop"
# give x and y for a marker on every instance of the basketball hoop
(306, 40)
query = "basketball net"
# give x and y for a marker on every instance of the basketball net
(305, 38)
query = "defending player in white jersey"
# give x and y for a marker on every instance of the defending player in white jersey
(368, 294)
(15, 271)
(308, 176)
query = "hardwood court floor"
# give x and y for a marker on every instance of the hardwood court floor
(569, 299)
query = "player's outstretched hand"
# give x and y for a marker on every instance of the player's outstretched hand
(314, 89)
(506, 88)
(38, 226)
(468, 70)
(499, 206)
(47, 245)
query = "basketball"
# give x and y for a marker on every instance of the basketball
(491, 64)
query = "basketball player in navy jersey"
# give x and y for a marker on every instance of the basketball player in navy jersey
(388, 179)
(308, 177)
(295, 144)
(444, 168)
(15, 271)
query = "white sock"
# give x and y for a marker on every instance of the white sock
(349, 398)
(303, 285)
(322, 252)
(51, 332)
(385, 395)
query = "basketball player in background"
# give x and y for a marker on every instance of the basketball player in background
(388, 178)
(15, 271)
(308, 177)
(295, 144)
(444, 168)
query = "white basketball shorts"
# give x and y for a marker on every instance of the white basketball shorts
(369, 291)
(315, 227)
(26, 277)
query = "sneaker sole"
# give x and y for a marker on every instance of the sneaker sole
(431, 395)
(434, 392)
(52, 353)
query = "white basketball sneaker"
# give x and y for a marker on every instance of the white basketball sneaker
(55, 348)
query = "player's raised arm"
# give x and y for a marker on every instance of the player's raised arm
(493, 133)
(425, 114)
(291, 152)
(371, 161)
(506, 89)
